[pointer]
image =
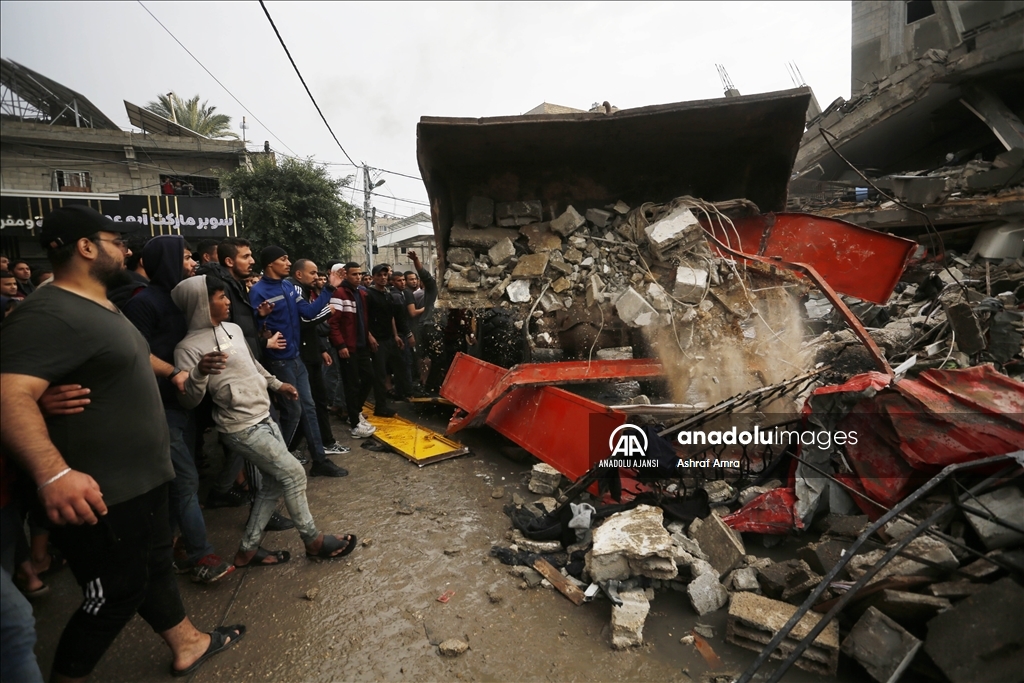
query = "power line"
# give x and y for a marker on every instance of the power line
(407, 201)
(404, 175)
(215, 78)
(303, 80)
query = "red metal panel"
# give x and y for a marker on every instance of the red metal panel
(853, 260)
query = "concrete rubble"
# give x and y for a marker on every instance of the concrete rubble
(754, 620)
(883, 647)
(544, 479)
(632, 543)
(628, 619)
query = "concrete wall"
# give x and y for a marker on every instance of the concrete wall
(883, 41)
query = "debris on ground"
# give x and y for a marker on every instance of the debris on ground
(754, 620)
(453, 647)
(883, 647)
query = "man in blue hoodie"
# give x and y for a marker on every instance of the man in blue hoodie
(168, 261)
(286, 306)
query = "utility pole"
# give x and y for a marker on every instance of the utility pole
(367, 219)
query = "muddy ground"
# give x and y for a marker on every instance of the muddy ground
(375, 615)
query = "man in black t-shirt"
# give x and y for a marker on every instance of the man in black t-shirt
(101, 474)
(385, 342)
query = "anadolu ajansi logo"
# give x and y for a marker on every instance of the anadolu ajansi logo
(628, 448)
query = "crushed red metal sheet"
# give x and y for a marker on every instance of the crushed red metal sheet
(769, 513)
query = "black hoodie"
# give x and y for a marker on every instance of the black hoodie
(153, 311)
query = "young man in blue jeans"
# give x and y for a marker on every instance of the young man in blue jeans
(286, 307)
(238, 385)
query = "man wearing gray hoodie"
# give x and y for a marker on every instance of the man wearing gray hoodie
(238, 385)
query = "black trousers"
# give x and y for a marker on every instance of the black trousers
(318, 388)
(388, 354)
(123, 564)
(358, 378)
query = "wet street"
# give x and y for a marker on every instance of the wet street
(375, 614)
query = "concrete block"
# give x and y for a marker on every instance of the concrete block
(956, 590)
(628, 619)
(479, 238)
(499, 289)
(501, 252)
(722, 546)
(460, 255)
(549, 301)
(624, 540)
(883, 647)
(847, 526)
(480, 212)
(634, 310)
(678, 229)
(822, 556)
(784, 580)
(560, 285)
(532, 546)
(518, 291)
(718, 491)
(595, 289)
(745, 579)
(707, 594)
(688, 544)
(572, 255)
(908, 608)
(560, 266)
(1006, 503)
(599, 217)
(615, 353)
(544, 479)
(621, 208)
(530, 266)
(690, 284)
(458, 283)
(754, 620)
(969, 337)
(540, 239)
(659, 297)
(568, 222)
(926, 547)
(982, 637)
(518, 213)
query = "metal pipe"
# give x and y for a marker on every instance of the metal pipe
(820, 588)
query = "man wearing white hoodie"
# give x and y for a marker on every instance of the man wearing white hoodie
(238, 385)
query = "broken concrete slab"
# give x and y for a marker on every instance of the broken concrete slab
(707, 594)
(956, 590)
(626, 538)
(982, 637)
(908, 608)
(621, 208)
(883, 647)
(460, 255)
(628, 619)
(530, 266)
(458, 283)
(718, 491)
(518, 291)
(560, 267)
(479, 238)
(847, 526)
(634, 310)
(679, 228)
(690, 284)
(745, 579)
(540, 239)
(722, 545)
(518, 213)
(599, 217)
(501, 252)
(754, 620)
(786, 580)
(615, 353)
(572, 255)
(1006, 503)
(480, 212)
(926, 547)
(499, 289)
(568, 222)
(532, 546)
(560, 285)
(544, 479)
(969, 337)
(824, 555)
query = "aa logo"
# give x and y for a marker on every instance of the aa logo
(628, 441)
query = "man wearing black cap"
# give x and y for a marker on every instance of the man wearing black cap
(285, 364)
(102, 474)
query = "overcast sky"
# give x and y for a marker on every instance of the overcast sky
(376, 68)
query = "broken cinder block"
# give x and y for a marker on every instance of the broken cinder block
(690, 284)
(544, 479)
(722, 545)
(501, 252)
(634, 310)
(628, 619)
(754, 620)
(530, 266)
(599, 217)
(679, 228)
(707, 594)
(881, 646)
(510, 214)
(624, 544)
(569, 222)
(785, 580)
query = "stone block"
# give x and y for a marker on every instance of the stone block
(453, 647)
(599, 217)
(480, 212)
(625, 540)
(549, 301)
(679, 229)
(560, 285)
(718, 491)
(785, 580)
(540, 239)
(560, 266)
(518, 291)
(754, 620)
(822, 556)
(458, 283)
(628, 619)
(881, 646)
(572, 255)
(460, 255)
(690, 284)
(499, 289)
(707, 594)
(982, 637)
(722, 545)
(634, 310)
(530, 266)
(479, 238)
(501, 252)
(544, 479)
(745, 579)
(518, 213)
(908, 608)
(568, 222)
(1006, 503)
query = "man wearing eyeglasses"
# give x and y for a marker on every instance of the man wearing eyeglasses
(102, 471)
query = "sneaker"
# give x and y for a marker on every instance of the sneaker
(327, 469)
(297, 454)
(232, 498)
(279, 522)
(362, 430)
(362, 419)
(336, 449)
(211, 568)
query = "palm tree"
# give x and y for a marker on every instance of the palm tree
(192, 115)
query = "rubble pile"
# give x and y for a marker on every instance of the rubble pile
(577, 274)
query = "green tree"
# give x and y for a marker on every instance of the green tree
(194, 116)
(296, 205)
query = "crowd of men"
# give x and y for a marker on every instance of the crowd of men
(113, 368)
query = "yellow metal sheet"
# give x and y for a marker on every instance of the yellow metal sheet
(418, 444)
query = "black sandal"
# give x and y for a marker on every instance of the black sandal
(261, 556)
(218, 643)
(331, 545)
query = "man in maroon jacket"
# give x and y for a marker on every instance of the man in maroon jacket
(348, 334)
